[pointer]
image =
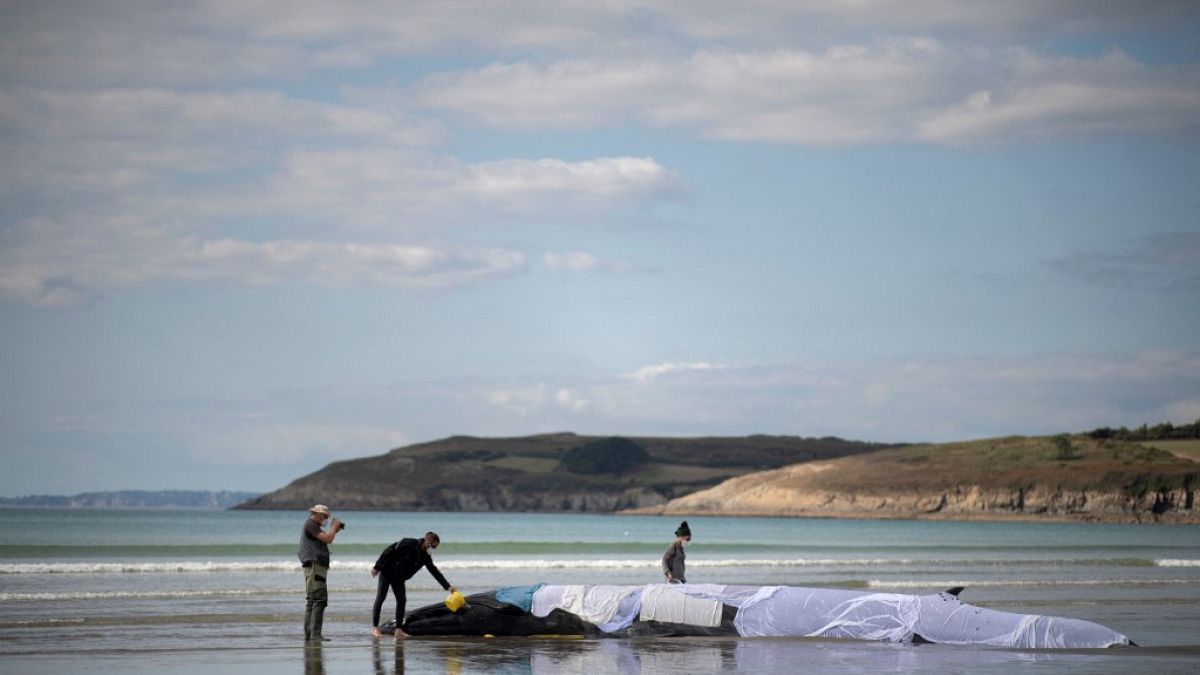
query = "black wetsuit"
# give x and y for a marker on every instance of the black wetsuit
(397, 564)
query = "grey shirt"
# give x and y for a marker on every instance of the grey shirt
(672, 561)
(313, 550)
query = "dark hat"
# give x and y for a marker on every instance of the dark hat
(684, 530)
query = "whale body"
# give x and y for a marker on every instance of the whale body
(752, 611)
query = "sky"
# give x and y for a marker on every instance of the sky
(239, 241)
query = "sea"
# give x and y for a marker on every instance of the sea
(199, 591)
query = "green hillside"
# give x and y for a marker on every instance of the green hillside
(1076, 463)
(1079, 477)
(550, 472)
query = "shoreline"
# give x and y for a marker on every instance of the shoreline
(1131, 519)
(1141, 518)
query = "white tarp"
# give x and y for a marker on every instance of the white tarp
(733, 596)
(547, 599)
(661, 602)
(627, 611)
(828, 612)
(945, 619)
(601, 605)
(614, 608)
(782, 611)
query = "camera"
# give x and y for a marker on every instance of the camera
(341, 526)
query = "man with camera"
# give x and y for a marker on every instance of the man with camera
(314, 557)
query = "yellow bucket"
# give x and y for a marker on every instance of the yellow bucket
(455, 601)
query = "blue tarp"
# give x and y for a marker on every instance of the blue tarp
(520, 596)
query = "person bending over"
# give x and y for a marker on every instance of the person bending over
(397, 564)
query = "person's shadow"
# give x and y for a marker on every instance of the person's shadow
(396, 647)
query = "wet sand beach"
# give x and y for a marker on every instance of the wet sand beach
(191, 592)
(544, 655)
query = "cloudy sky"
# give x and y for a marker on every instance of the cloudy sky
(239, 242)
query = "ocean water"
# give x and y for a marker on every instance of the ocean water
(184, 591)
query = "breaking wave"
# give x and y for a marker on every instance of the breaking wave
(1010, 583)
(251, 566)
(115, 595)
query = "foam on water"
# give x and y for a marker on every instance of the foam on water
(115, 595)
(1177, 563)
(916, 585)
(222, 566)
(1017, 583)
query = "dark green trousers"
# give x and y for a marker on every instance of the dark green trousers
(316, 596)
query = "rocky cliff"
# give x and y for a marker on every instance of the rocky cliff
(1012, 478)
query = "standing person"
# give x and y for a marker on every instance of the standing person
(314, 557)
(397, 564)
(673, 559)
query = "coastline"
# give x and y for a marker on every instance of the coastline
(1013, 479)
(1084, 518)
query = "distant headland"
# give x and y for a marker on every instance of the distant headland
(1148, 474)
(547, 472)
(134, 499)
(1056, 478)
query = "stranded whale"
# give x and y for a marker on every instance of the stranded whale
(750, 611)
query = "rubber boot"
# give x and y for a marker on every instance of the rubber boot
(318, 619)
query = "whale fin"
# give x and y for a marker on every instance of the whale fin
(954, 591)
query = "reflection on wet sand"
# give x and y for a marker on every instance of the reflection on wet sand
(384, 648)
(637, 656)
(558, 655)
(314, 658)
(546, 656)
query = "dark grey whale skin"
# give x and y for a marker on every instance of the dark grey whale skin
(485, 615)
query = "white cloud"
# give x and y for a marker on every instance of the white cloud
(1043, 96)
(570, 400)
(648, 373)
(138, 185)
(343, 263)
(162, 121)
(580, 261)
(99, 141)
(385, 188)
(576, 261)
(99, 43)
(527, 182)
(889, 74)
(901, 400)
(889, 91)
(128, 144)
(522, 402)
(50, 263)
(166, 115)
(536, 399)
